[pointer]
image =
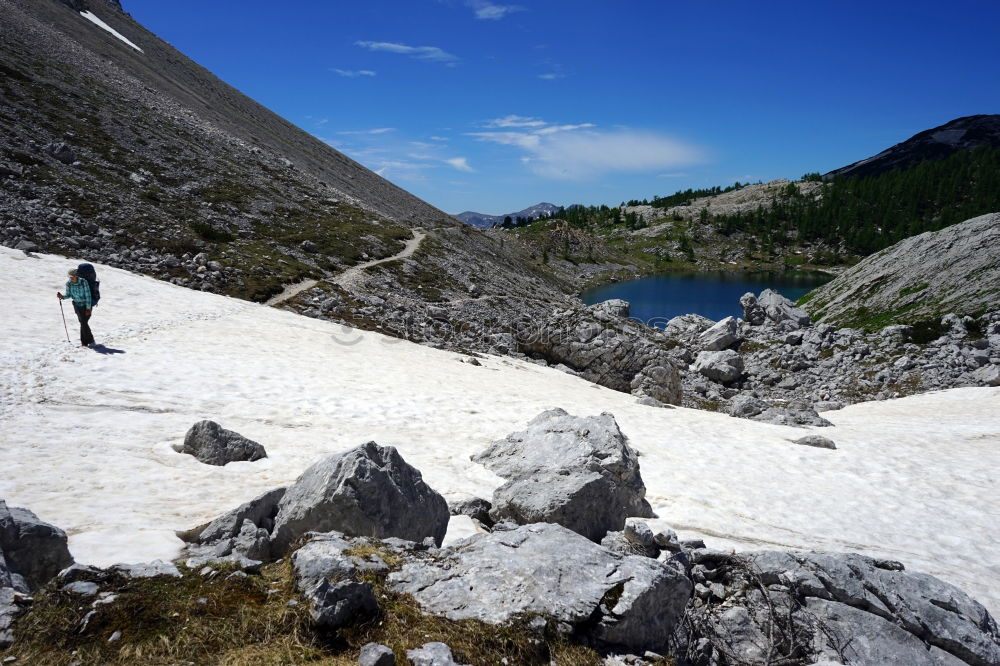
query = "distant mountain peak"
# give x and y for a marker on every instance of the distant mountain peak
(965, 133)
(485, 221)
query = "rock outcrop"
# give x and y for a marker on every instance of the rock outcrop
(603, 346)
(623, 601)
(771, 606)
(956, 269)
(578, 472)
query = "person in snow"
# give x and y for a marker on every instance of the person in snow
(79, 291)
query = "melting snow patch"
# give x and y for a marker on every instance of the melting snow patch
(101, 24)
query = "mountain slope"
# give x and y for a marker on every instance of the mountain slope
(85, 437)
(964, 133)
(484, 221)
(139, 157)
(923, 277)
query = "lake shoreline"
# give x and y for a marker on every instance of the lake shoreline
(714, 293)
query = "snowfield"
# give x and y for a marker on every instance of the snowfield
(85, 437)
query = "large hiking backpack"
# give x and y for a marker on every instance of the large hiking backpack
(87, 272)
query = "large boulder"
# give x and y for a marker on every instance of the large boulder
(367, 491)
(687, 328)
(719, 366)
(31, 549)
(832, 607)
(608, 598)
(214, 445)
(720, 335)
(578, 472)
(779, 309)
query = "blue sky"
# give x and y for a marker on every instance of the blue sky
(495, 106)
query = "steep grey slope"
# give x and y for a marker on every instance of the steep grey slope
(955, 270)
(140, 158)
(937, 143)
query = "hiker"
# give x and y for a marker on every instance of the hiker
(79, 291)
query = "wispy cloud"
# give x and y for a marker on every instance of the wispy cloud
(550, 76)
(460, 163)
(354, 73)
(491, 12)
(439, 138)
(580, 152)
(429, 53)
(516, 121)
(377, 130)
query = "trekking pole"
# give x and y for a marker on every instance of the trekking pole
(63, 312)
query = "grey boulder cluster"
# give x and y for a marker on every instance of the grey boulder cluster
(568, 548)
(774, 365)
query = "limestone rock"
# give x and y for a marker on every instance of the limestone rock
(31, 549)
(324, 556)
(578, 472)
(431, 654)
(367, 491)
(721, 335)
(260, 511)
(843, 608)
(335, 605)
(374, 654)
(214, 445)
(817, 441)
(612, 308)
(628, 601)
(475, 507)
(753, 312)
(779, 309)
(719, 366)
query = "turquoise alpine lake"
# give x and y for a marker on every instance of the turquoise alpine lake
(716, 295)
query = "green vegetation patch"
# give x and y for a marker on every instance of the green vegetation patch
(165, 620)
(913, 289)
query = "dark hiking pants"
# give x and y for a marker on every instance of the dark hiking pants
(86, 337)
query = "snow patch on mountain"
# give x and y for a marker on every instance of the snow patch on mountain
(90, 16)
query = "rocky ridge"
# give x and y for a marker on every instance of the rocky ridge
(937, 143)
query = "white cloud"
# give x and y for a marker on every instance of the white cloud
(460, 163)
(377, 130)
(488, 11)
(429, 53)
(354, 73)
(439, 138)
(551, 76)
(516, 121)
(675, 174)
(552, 129)
(579, 152)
